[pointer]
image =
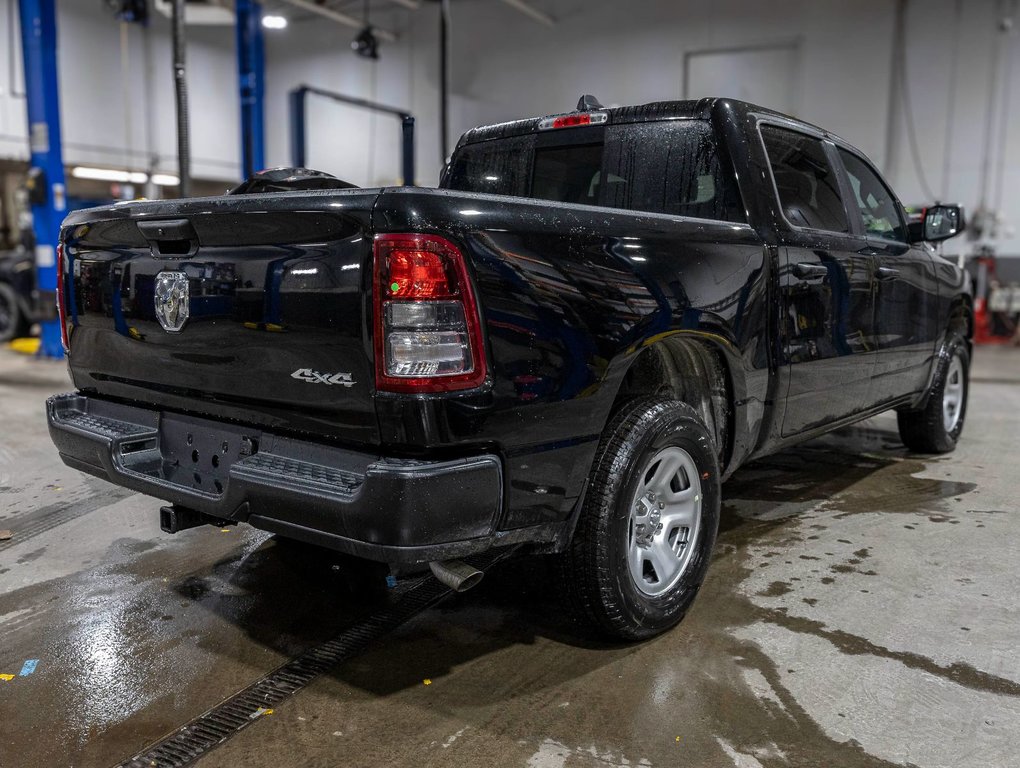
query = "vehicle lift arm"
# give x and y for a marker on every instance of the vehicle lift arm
(298, 132)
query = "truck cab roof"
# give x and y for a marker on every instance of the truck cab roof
(684, 109)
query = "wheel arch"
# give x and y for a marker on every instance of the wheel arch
(693, 368)
(961, 317)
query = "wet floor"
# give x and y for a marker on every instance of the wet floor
(862, 610)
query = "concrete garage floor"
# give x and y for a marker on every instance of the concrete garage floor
(862, 610)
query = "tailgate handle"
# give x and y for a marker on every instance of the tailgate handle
(806, 270)
(887, 273)
(170, 237)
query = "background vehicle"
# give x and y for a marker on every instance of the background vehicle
(17, 285)
(596, 320)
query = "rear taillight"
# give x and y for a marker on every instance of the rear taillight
(62, 299)
(428, 336)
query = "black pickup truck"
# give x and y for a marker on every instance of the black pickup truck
(594, 321)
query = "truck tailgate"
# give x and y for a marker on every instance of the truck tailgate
(274, 291)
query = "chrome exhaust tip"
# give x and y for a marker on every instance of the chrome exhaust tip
(456, 574)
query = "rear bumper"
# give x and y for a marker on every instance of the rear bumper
(391, 510)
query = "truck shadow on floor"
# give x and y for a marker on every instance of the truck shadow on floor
(517, 603)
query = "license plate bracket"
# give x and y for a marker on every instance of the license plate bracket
(198, 454)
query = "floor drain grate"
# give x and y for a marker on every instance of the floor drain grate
(32, 524)
(207, 731)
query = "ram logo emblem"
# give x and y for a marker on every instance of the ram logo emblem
(173, 300)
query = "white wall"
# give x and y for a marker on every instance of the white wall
(94, 102)
(634, 52)
(505, 65)
(340, 138)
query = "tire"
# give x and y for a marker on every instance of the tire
(12, 323)
(936, 427)
(609, 571)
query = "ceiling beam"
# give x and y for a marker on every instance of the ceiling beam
(529, 10)
(341, 18)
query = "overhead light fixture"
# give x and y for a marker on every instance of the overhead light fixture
(274, 22)
(366, 44)
(165, 180)
(108, 174)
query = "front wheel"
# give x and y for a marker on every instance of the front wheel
(936, 427)
(648, 524)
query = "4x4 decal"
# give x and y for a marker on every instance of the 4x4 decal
(314, 377)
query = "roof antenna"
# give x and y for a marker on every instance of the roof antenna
(587, 103)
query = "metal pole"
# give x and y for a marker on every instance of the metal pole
(181, 94)
(39, 49)
(407, 133)
(890, 161)
(444, 78)
(297, 127)
(251, 79)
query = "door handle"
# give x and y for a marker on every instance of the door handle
(807, 270)
(886, 273)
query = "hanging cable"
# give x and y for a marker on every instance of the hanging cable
(993, 90)
(444, 79)
(1006, 29)
(947, 143)
(908, 111)
(181, 94)
(374, 89)
(125, 81)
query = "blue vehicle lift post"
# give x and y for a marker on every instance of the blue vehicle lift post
(42, 97)
(298, 126)
(251, 80)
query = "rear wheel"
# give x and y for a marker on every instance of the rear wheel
(648, 524)
(936, 427)
(12, 324)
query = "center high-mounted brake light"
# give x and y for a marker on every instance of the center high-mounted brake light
(428, 334)
(572, 120)
(62, 299)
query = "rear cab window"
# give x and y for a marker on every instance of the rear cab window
(671, 167)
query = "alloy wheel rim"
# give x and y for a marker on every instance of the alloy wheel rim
(665, 519)
(953, 394)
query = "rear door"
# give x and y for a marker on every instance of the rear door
(906, 289)
(827, 301)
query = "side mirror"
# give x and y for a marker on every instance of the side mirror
(940, 222)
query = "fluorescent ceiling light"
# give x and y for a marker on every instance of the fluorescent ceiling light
(165, 180)
(108, 174)
(274, 22)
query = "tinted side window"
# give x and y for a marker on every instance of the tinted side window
(878, 208)
(497, 167)
(669, 167)
(807, 185)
